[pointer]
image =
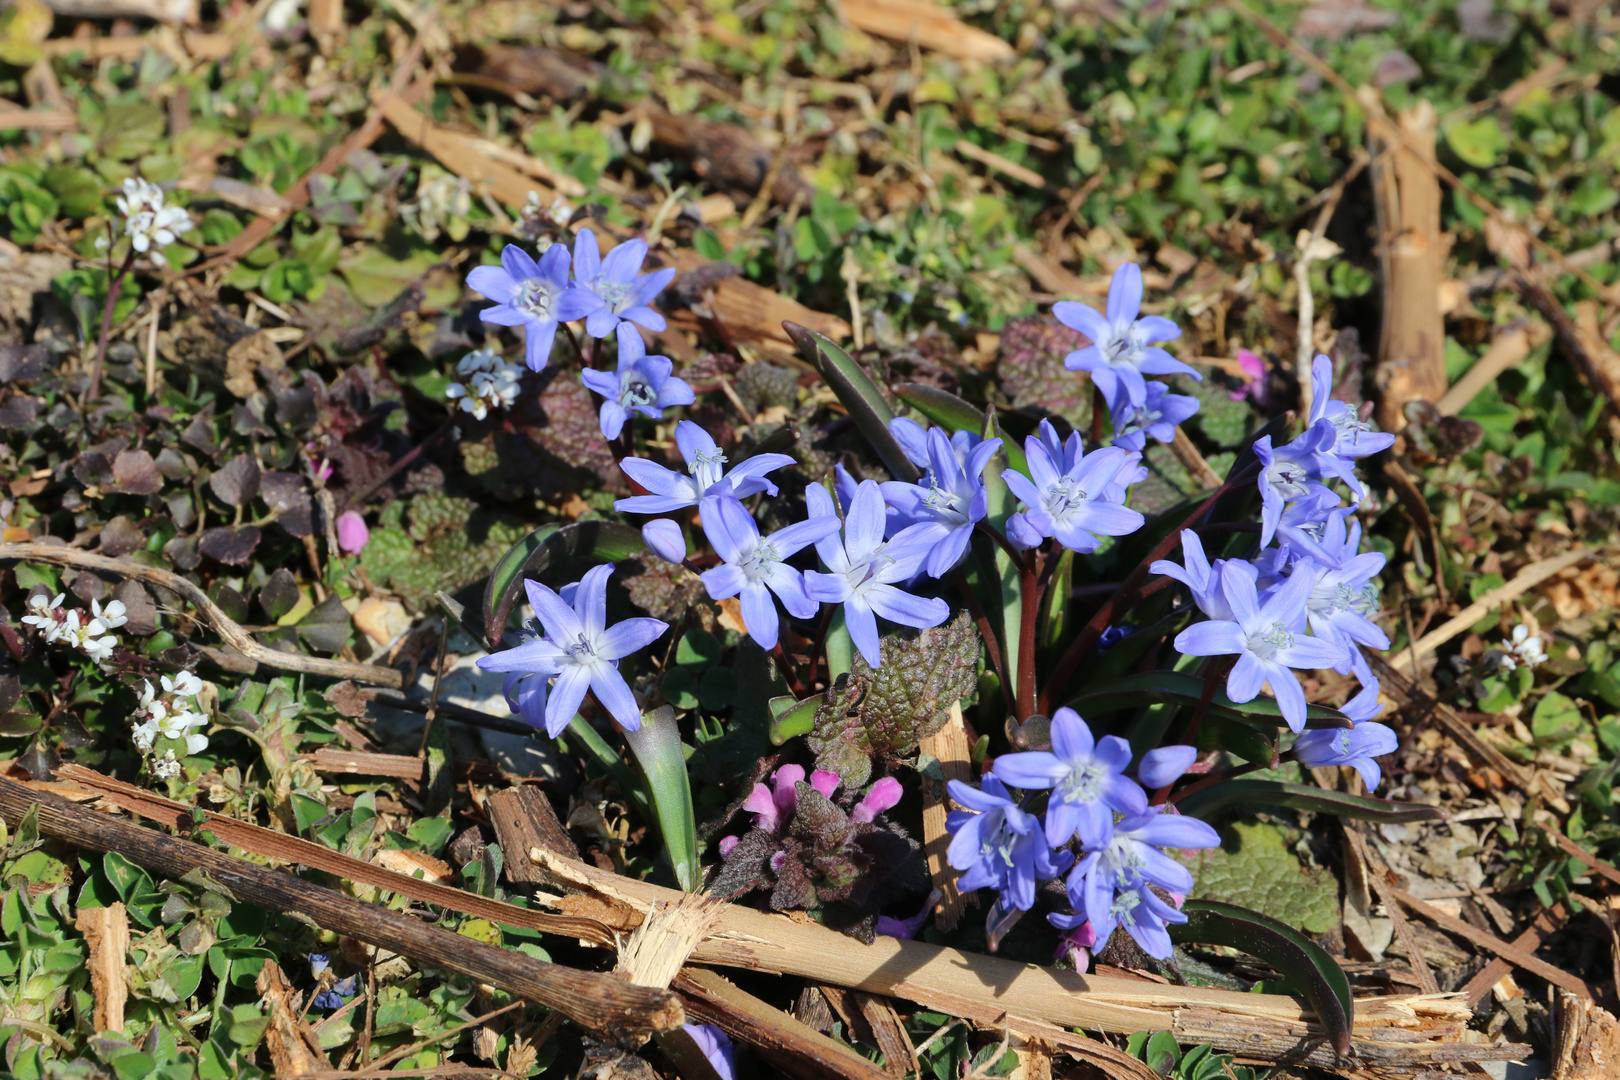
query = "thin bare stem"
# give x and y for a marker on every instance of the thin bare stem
(1128, 591)
(115, 288)
(397, 467)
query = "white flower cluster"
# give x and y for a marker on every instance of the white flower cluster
(559, 212)
(1522, 648)
(146, 219)
(171, 714)
(491, 383)
(69, 626)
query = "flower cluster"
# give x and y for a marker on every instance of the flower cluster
(1306, 603)
(147, 221)
(1522, 647)
(607, 291)
(91, 634)
(809, 848)
(332, 992)
(172, 713)
(490, 383)
(999, 844)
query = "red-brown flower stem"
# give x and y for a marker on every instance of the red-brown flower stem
(1012, 553)
(1029, 597)
(820, 652)
(1129, 590)
(1215, 669)
(786, 667)
(404, 462)
(1099, 409)
(987, 633)
(1216, 777)
(115, 288)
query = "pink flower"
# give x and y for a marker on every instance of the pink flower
(1256, 384)
(352, 534)
(1076, 944)
(879, 797)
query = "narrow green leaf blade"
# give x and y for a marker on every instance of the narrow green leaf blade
(1307, 964)
(1205, 802)
(953, 414)
(658, 751)
(790, 717)
(602, 541)
(1185, 688)
(859, 395)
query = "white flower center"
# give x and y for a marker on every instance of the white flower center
(757, 564)
(1084, 783)
(1064, 497)
(706, 468)
(1274, 639)
(536, 298)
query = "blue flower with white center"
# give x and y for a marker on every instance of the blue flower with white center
(706, 474)
(1123, 347)
(913, 440)
(1157, 416)
(615, 280)
(535, 296)
(1067, 497)
(1343, 600)
(642, 384)
(1355, 746)
(1353, 437)
(997, 845)
(1289, 473)
(864, 569)
(1202, 579)
(948, 500)
(754, 566)
(1086, 777)
(1267, 639)
(580, 651)
(1111, 885)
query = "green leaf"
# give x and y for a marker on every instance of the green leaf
(1001, 505)
(1307, 965)
(953, 414)
(1248, 793)
(1255, 867)
(790, 718)
(599, 541)
(859, 395)
(658, 751)
(1478, 142)
(1182, 688)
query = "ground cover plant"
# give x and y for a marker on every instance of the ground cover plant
(877, 539)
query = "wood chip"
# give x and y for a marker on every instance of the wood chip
(288, 1037)
(1587, 1044)
(106, 933)
(1506, 950)
(992, 160)
(926, 23)
(463, 155)
(949, 746)
(753, 315)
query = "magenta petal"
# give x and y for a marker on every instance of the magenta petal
(825, 782)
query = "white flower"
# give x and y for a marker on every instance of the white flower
(166, 767)
(41, 617)
(109, 618)
(184, 725)
(491, 383)
(145, 735)
(147, 220)
(184, 684)
(1523, 648)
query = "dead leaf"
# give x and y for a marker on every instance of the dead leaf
(731, 616)
(245, 358)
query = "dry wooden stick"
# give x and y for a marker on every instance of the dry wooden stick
(972, 985)
(793, 1046)
(948, 746)
(1571, 848)
(1540, 929)
(598, 1002)
(290, 849)
(1522, 582)
(1507, 349)
(1399, 687)
(1375, 877)
(1591, 353)
(223, 625)
(1506, 950)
